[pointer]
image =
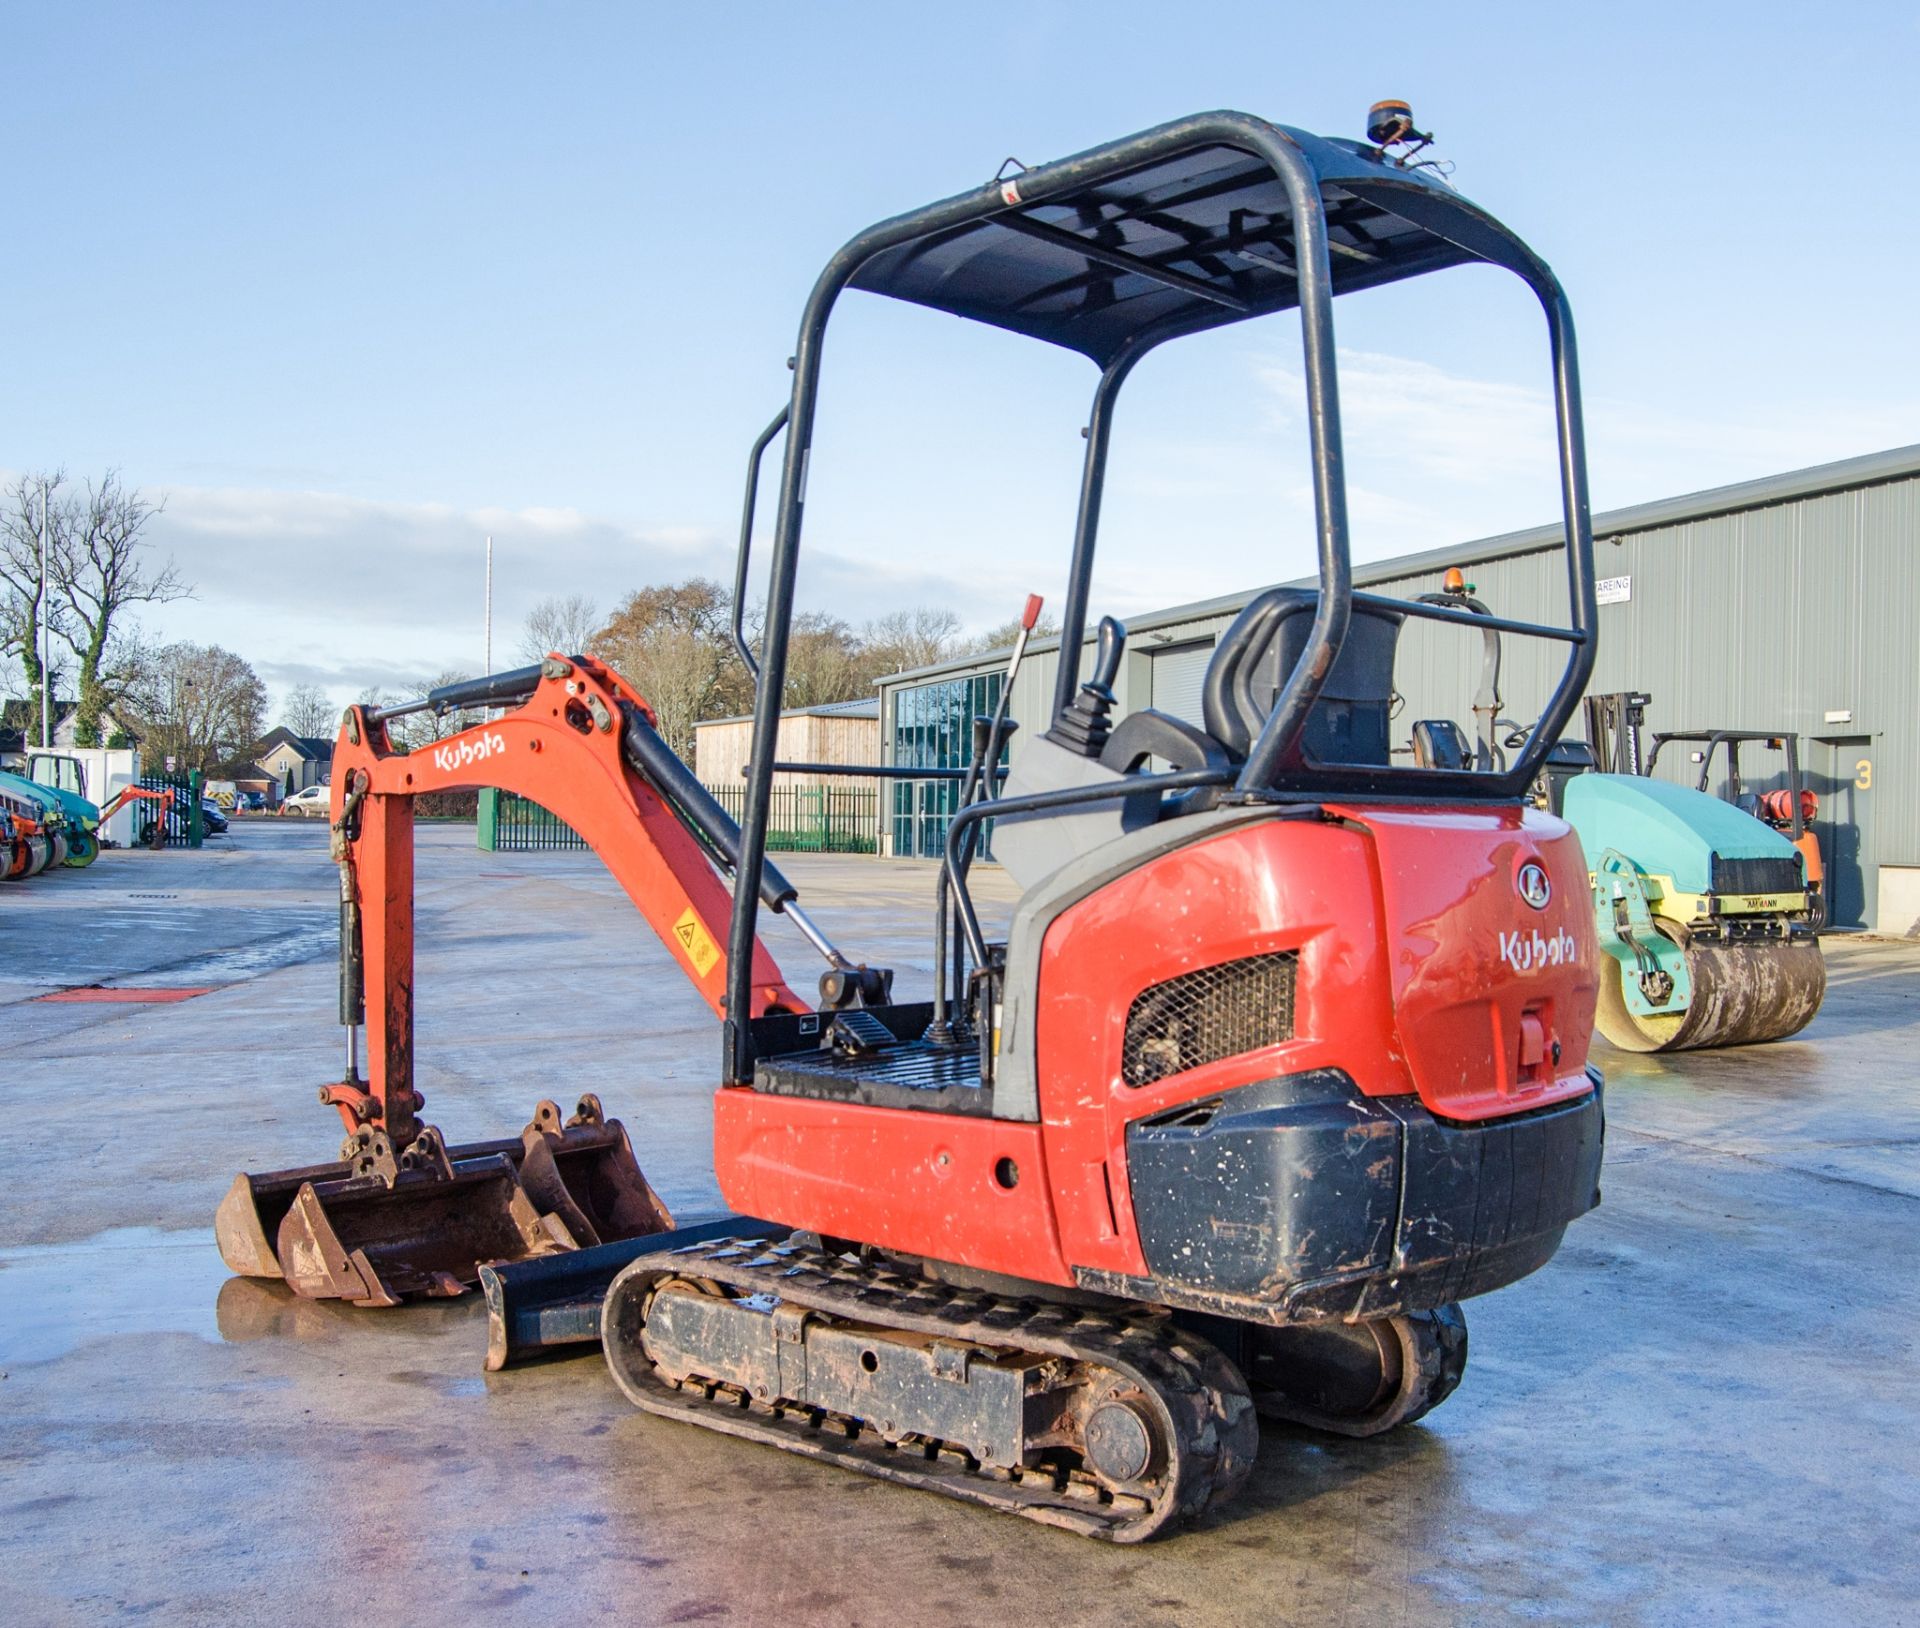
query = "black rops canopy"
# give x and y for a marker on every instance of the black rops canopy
(1186, 243)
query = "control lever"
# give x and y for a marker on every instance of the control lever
(1083, 728)
(1106, 660)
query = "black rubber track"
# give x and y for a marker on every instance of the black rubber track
(1201, 1398)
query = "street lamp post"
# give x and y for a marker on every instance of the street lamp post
(45, 631)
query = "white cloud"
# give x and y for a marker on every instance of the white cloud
(346, 592)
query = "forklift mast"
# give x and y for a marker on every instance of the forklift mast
(1613, 731)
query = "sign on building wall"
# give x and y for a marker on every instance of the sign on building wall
(1613, 590)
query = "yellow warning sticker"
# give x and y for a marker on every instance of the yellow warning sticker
(694, 938)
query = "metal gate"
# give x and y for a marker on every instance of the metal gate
(186, 821)
(804, 819)
(510, 823)
(826, 819)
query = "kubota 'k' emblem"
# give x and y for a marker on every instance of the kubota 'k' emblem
(1533, 885)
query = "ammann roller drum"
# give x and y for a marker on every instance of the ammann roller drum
(1703, 913)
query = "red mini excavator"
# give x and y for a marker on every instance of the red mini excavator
(1283, 1056)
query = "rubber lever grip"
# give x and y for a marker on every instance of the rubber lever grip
(1106, 661)
(692, 804)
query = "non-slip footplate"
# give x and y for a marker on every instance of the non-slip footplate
(911, 1074)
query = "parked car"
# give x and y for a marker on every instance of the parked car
(307, 803)
(213, 818)
(253, 802)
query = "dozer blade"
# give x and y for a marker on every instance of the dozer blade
(377, 1228)
(538, 1307)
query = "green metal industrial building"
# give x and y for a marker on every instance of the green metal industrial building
(1790, 603)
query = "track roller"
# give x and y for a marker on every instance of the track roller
(1113, 1424)
(1744, 991)
(1358, 1379)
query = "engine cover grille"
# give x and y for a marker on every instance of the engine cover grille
(1203, 1016)
(1749, 875)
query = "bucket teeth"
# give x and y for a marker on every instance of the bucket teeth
(379, 1226)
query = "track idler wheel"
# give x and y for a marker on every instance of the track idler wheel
(1358, 1379)
(1745, 991)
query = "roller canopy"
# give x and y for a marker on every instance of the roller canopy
(1182, 243)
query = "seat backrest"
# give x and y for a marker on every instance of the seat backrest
(1257, 654)
(1440, 743)
(1565, 760)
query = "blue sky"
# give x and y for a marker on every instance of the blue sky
(355, 285)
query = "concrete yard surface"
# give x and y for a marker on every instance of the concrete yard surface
(1705, 1410)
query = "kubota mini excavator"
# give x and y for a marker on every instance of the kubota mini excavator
(1283, 1057)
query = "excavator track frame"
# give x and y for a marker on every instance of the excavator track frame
(1206, 1431)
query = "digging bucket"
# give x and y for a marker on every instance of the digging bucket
(377, 1228)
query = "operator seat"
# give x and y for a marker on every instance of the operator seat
(1257, 654)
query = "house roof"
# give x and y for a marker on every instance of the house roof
(313, 748)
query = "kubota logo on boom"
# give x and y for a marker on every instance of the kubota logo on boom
(448, 758)
(1524, 951)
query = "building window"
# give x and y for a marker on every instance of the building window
(933, 729)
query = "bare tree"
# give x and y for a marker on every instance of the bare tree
(199, 704)
(421, 728)
(99, 572)
(28, 604)
(1003, 636)
(566, 625)
(675, 646)
(309, 712)
(918, 637)
(825, 662)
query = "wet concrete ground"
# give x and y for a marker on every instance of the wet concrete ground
(1706, 1410)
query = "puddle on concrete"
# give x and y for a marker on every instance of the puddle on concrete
(55, 1298)
(313, 936)
(130, 1280)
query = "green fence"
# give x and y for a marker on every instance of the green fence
(510, 823)
(829, 819)
(804, 819)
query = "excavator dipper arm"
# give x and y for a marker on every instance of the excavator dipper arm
(566, 746)
(400, 1213)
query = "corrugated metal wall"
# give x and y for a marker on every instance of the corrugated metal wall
(1766, 618)
(1770, 616)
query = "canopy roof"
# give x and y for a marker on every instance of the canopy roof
(1186, 242)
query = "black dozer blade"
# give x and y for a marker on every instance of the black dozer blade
(540, 1306)
(375, 1227)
